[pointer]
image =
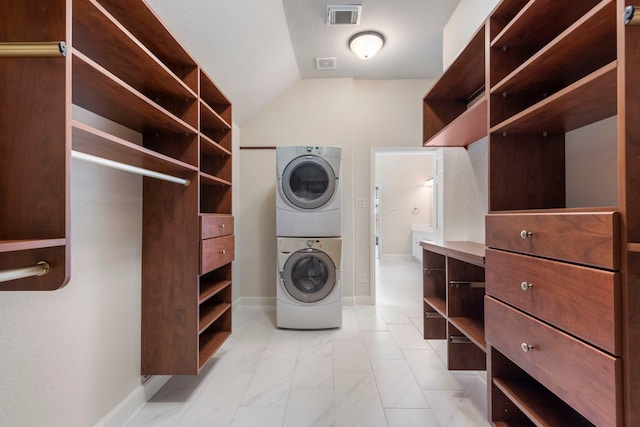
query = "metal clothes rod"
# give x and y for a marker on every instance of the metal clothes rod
(33, 49)
(630, 16)
(39, 269)
(128, 168)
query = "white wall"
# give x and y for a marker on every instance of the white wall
(356, 115)
(404, 198)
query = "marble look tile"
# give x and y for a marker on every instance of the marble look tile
(429, 370)
(160, 414)
(270, 384)
(218, 401)
(381, 345)
(440, 347)
(284, 344)
(350, 355)
(310, 407)
(314, 367)
(411, 418)
(408, 337)
(370, 319)
(315, 338)
(455, 409)
(393, 315)
(396, 385)
(357, 401)
(263, 417)
(475, 386)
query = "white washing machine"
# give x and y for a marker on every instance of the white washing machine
(309, 289)
(308, 199)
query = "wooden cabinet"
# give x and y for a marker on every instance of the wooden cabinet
(562, 280)
(124, 65)
(453, 289)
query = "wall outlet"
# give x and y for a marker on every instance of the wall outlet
(361, 202)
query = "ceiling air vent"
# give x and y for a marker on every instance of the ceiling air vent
(328, 63)
(343, 14)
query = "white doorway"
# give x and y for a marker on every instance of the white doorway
(401, 199)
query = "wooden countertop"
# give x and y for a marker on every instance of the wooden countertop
(471, 252)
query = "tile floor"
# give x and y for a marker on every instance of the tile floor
(374, 371)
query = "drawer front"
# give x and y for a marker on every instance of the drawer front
(584, 377)
(215, 226)
(215, 253)
(590, 238)
(580, 300)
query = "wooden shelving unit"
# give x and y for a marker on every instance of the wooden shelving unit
(453, 288)
(555, 309)
(455, 108)
(125, 66)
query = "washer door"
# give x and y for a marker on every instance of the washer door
(308, 182)
(309, 275)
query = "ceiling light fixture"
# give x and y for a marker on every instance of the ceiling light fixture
(366, 44)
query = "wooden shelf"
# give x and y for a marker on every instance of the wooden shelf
(472, 329)
(25, 245)
(109, 44)
(155, 37)
(539, 404)
(210, 147)
(468, 128)
(438, 304)
(207, 290)
(99, 91)
(212, 314)
(633, 247)
(214, 98)
(207, 179)
(454, 107)
(93, 141)
(588, 100)
(471, 252)
(210, 342)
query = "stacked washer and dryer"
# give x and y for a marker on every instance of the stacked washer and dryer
(309, 230)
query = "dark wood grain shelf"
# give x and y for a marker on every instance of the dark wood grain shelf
(23, 245)
(438, 304)
(207, 290)
(454, 107)
(538, 404)
(109, 44)
(211, 119)
(214, 98)
(99, 91)
(212, 314)
(210, 342)
(155, 37)
(213, 180)
(87, 139)
(211, 147)
(503, 14)
(633, 247)
(472, 329)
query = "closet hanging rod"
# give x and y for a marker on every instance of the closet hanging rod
(40, 269)
(128, 168)
(32, 49)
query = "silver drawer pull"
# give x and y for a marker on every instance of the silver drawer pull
(526, 286)
(223, 252)
(525, 234)
(221, 226)
(526, 347)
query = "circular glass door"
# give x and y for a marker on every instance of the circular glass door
(308, 182)
(309, 275)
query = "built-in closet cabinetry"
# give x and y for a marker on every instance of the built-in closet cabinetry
(453, 291)
(125, 66)
(562, 281)
(562, 278)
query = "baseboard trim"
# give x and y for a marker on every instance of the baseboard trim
(131, 404)
(265, 302)
(363, 300)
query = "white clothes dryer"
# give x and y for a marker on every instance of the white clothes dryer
(309, 194)
(309, 288)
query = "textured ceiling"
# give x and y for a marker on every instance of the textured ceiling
(255, 49)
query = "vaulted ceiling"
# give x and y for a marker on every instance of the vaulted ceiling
(255, 49)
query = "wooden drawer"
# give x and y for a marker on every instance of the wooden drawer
(215, 253)
(581, 300)
(590, 238)
(586, 378)
(215, 226)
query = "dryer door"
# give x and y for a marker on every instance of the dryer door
(309, 275)
(308, 182)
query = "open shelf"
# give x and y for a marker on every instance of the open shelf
(438, 304)
(214, 98)
(211, 314)
(211, 147)
(210, 342)
(24, 245)
(472, 329)
(207, 290)
(455, 109)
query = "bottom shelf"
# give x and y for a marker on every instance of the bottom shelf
(210, 342)
(462, 353)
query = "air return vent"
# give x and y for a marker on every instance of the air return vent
(343, 14)
(328, 63)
